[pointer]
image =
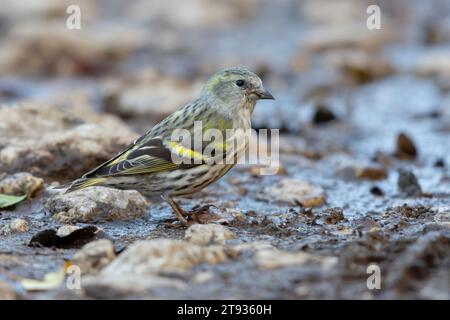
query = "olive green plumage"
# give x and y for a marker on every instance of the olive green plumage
(226, 102)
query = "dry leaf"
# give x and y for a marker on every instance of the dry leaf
(52, 280)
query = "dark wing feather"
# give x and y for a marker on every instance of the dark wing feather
(145, 156)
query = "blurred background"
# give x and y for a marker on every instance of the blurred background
(143, 59)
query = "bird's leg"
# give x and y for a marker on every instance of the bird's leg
(202, 209)
(176, 208)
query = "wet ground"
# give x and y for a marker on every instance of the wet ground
(364, 117)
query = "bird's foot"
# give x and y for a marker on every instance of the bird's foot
(200, 214)
(173, 224)
(197, 210)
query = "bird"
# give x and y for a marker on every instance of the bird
(148, 164)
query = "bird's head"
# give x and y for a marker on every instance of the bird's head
(236, 87)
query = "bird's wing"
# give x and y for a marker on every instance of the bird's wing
(147, 156)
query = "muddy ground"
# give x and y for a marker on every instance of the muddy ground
(364, 119)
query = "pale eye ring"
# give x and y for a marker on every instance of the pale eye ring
(240, 83)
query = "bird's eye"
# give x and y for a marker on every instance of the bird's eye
(240, 83)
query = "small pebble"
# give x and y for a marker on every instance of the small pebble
(376, 191)
(440, 163)
(15, 226)
(19, 225)
(408, 184)
(406, 149)
(323, 115)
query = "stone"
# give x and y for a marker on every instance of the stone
(359, 66)
(332, 215)
(66, 230)
(350, 170)
(377, 191)
(67, 237)
(296, 192)
(408, 184)
(20, 183)
(323, 114)
(15, 226)
(110, 286)
(152, 96)
(94, 256)
(56, 52)
(72, 139)
(406, 149)
(345, 36)
(433, 62)
(165, 256)
(203, 277)
(97, 204)
(275, 259)
(203, 234)
(195, 13)
(253, 246)
(19, 225)
(371, 173)
(417, 262)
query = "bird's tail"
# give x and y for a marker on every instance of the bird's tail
(84, 183)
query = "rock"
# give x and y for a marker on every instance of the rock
(56, 52)
(412, 211)
(443, 219)
(377, 191)
(71, 139)
(96, 204)
(153, 96)
(296, 192)
(113, 286)
(433, 62)
(439, 163)
(253, 246)
(360, 67)
(20, 183)
(435, 288)
(408, 184)
(203, 277)
(436, 32)
(366, 224)
(323, 115)
(165, 256)
(7, 292)
(382, 158)
(193, 14)
(418, 260)
(66, 230)
(204, 234)
(371, 173)
(332, 215)
(225, 216)
(406, 149)
(67, 239)
(94, 256)
(351, 169)
(16, 225)
(344, 36)
(19, 225)
(275, 259)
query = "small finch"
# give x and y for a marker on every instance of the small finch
(148, 164)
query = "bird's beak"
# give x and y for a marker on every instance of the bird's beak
(264, 94)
